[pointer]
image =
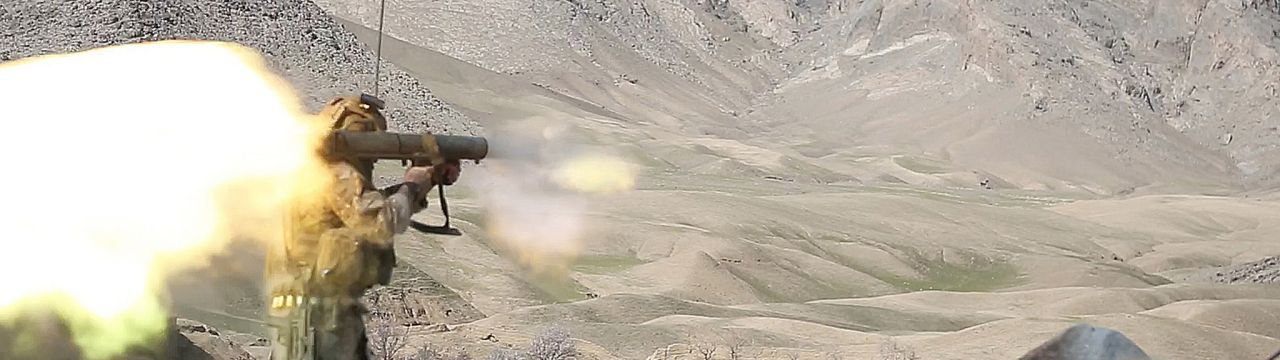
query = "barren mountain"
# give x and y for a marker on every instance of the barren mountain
(952, 178)
(811, 168)
(1100, 96)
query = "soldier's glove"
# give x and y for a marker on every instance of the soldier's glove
(446, 173)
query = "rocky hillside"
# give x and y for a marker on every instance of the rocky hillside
(1097, 96)
(1104, 95)
(320, 58)
(820, 176)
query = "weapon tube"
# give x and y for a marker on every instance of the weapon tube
(401, 146)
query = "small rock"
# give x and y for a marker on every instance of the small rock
(437, 328)
(248, 340)
(193, 340)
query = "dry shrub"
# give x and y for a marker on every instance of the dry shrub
(506, 354)
(386, 337)
(891, 350)
(553, 343)
(427, 352)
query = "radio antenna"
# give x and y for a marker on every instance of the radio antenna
(377, 59)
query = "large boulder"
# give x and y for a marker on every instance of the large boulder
(191, 340)
(1086, 342)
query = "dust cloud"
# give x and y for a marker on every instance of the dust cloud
(537, 188)
(163, 152)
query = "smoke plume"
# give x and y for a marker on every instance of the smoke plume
(130, 163)
(537, 187)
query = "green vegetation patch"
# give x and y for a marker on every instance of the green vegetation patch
(556, 289)
(761, 287)
(980, 273)
(869, 318)
(921, 165)
(605, 264)
(922, 193)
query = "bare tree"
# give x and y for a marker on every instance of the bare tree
(386, 337)
(736, 347)
(706, 350)
(553, 343)
(890, 350)
(703, 347)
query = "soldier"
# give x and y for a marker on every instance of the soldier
(339, 246)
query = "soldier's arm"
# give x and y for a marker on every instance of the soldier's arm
(388, 211)
(375, 215)
(409, 197)
(401, 202)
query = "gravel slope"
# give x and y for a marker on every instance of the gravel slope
(1103, 97)
(1265, 271)
(317, 55)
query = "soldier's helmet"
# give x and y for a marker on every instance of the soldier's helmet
(355, 113)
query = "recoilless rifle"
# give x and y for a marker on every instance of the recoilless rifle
(359, 138)
(411, 149)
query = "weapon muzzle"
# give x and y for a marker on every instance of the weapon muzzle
(458, 147)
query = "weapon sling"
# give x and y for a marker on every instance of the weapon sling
(441, 229)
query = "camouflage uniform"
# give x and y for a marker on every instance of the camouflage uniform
(336, 248)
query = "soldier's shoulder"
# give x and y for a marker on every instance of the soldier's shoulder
(348, 182)
(343, 170)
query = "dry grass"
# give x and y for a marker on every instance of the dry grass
(506, 354)
(429, 352)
